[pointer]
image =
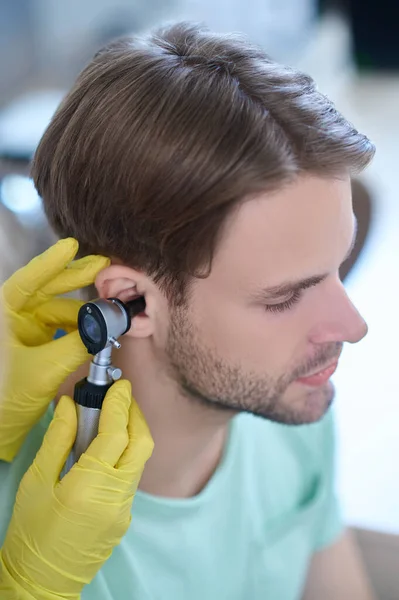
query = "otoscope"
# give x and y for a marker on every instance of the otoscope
(100, 323)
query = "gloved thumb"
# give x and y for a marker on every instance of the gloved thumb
(58, 441)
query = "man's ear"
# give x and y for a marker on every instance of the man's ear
(125, 283)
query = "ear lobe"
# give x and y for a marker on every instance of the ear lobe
(142, 326)
(125, 283)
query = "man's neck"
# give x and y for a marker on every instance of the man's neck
(189, 437)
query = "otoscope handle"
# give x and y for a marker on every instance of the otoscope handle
(90, 395)
(89, 399)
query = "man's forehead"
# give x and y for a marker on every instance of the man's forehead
(305, 227)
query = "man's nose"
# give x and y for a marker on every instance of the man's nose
(340, 320)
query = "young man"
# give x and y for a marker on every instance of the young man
(219, 184)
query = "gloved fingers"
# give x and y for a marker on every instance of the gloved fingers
(62, 357)
(27, 330)
(57, 442)
(21, 286)
(77, 275)
(38, 328)
(113, 437)
(140, 445)
(59, 312)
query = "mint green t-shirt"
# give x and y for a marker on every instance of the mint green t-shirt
(249, 535)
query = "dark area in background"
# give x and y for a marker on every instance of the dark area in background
(375, 31)
(364, 210)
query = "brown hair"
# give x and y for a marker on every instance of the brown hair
(161, 137)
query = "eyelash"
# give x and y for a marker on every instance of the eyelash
(286, 305)
(296, 296)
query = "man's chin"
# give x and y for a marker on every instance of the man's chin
(304, 405)
(317, 401)
(300, 407)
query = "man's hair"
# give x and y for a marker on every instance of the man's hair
(162, 136)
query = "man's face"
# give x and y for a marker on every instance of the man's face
(251, 339)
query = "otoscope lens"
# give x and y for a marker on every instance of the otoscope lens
(92, 328)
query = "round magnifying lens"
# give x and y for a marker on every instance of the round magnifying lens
(92, 328)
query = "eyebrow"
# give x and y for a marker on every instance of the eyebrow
(292, 287)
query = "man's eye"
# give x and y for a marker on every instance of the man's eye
(286, 305)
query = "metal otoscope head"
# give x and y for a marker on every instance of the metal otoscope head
(101, 322)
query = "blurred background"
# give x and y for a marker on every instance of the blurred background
(351, 48)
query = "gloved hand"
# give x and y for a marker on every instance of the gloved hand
(61, 532)
(37, 364)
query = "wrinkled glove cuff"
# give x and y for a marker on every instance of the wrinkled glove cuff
(10, 589)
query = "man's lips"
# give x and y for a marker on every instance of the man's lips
(320, 377)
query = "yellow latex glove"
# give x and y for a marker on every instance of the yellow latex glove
(37, 364)
(61, 532)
